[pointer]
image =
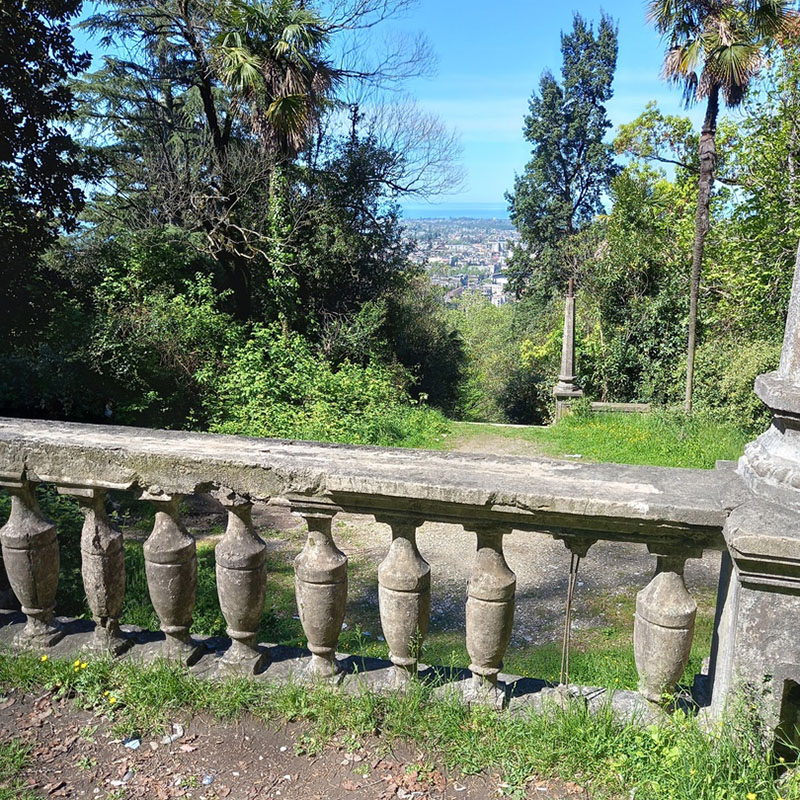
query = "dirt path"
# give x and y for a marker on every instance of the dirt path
(74, 754)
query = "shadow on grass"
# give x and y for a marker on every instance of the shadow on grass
(599, 656)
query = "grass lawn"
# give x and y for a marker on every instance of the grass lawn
(661, 438)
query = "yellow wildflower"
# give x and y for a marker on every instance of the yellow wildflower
(106, 693)
(43, 658)
(83, 665)
(113, 700)
(751, 796)
(76, 662)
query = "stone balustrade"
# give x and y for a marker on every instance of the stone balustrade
(677, 513)
(750, 512)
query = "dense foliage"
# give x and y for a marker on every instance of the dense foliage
(40, 164)
(239, 262)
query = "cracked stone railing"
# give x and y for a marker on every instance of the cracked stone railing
(677, 513)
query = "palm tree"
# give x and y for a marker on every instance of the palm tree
(714, 47)
(271, 56)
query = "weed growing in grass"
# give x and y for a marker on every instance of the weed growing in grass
(677, 759)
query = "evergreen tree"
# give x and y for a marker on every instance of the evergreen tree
(562, 186)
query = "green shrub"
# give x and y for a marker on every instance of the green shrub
(277, 385)
(725, 373)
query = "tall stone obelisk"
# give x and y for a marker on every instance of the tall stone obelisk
(567, 389)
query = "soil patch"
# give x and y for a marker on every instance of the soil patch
(75, 754)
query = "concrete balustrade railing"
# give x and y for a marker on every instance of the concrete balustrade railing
(677, 513)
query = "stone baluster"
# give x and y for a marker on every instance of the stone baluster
(170, 562)
(321, 589)
(490, 616)
(8, 602)
(103, 570)
(30, 556)
(242, 585)
(404, 597)
(664, 625)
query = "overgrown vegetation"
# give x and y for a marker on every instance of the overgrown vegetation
(676, 759)
(219, 246)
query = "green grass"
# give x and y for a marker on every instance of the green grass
(676, 760)
(661, 438)
(14, 757)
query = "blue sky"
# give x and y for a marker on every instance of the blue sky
(490, 58)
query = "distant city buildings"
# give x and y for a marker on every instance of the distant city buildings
(464, 254)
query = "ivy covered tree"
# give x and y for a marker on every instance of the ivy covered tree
(562, 186)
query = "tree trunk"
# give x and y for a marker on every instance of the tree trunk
(708, 163)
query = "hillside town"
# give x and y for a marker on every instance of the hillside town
(465, 254)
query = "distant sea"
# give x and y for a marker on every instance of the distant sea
(456, 210)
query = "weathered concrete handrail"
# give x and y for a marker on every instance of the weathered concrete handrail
(609, 501)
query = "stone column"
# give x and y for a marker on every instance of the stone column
(567, 389)
(490, 616)
(170, 562)
(663, 627)
(321, 589)
(756, 647)
(242, 586)
(103, 570)
(30, 555)
(404, 597)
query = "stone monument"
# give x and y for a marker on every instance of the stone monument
(567, 389)
(757, 647)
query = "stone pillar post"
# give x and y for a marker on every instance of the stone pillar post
(30, 555)
(663, 628)
(567, 389)
(490, 616)
(170, 562)
(756, 647)
(404, 597)
(321, 589)
(103, 570)
(242, 585)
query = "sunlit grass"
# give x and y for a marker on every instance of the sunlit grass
(667, 439)
(677, 759)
